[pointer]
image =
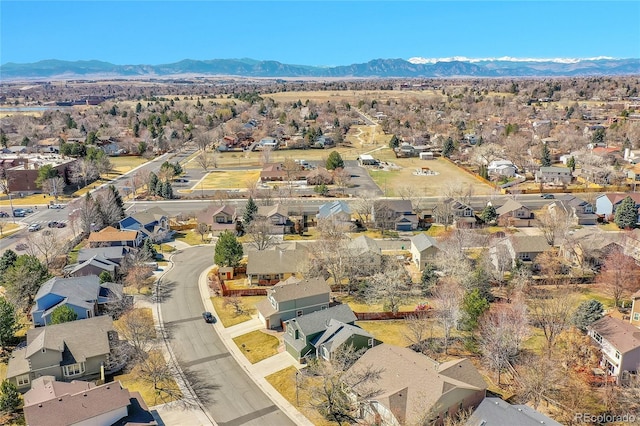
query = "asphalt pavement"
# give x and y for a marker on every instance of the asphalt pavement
(225, 389)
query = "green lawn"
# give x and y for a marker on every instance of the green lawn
(73, 254)
(227, 314)
(257, 345)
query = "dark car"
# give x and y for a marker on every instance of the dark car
(55, 224)
(208, 317)
(548, 196)
(4, 214)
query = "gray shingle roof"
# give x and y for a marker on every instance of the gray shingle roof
(338, 333)
(97, 261)
(364, 244)
(529, 243)
(329, 209)
(496, 412)
(150, 215)
(316, 322)
(621, 334)
(423, 241)
(508, 207)
(77, 290)
(112, 253)
(275, 261)
(294, 289)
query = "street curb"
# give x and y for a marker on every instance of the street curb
(174, 361)
(287, 408)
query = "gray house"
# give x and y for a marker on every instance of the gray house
(620, 345)
(293, 298)
(303, 331)
(68, 351)
(494, 411)
(338, 211)
(339, 334)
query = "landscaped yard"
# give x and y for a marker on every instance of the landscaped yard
(257, 345)
(146, 318)
(191, 237)
(3, 371)
(284, 381)
(227, 314)
(362, 306)
(391, 331)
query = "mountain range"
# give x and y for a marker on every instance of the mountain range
(377, 68)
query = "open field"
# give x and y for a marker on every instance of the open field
(351, 96)
(362, 306)
(228, 179)
(125, 164)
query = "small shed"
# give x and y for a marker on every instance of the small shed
(367, 160)
(225, 273)
(426, 155)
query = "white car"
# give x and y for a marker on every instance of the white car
(56, 206)
(34, 227)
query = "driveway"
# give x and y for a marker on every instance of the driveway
(225, 389)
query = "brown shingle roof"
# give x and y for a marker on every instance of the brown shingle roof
(621, 334)
(110, 234)
(293, 289)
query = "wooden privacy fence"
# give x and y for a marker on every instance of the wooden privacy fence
(376, 316)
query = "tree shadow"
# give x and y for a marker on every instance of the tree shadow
(163, 290)
(202, 386)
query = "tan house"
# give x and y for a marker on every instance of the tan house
(413, 387)
(219, 218)
(513, 213)
(423, 247)
(268, 267)
(72, 350)
(110, 237)
(278, 217)
(620, 345)
(518, 248)
(54, 403)
(635, 310)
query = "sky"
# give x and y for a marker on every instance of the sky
(320, 33)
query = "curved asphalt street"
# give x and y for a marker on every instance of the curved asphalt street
(224, 388)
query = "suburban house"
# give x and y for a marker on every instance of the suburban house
(523, 248)
(634, 316)
(495, 411)
(423, 247)
(113, 254)
(606, 204)
(293, 298)
(338, 211)
(84, 295)
(588, 248)
(554, 175)
(365, 251)
(275, 172)
(412, 386)
(53, 403)
(502, 168)
(454, 211)
(268, 267)
(302, 332)
(219, 218)
(579, 211)
(514, 213)
(112, 237)
(72, 350)
(620, 345)
(394, 214)
(278, 217)
(93, 266)
(339, 334)
(150, 222)
(268, 143)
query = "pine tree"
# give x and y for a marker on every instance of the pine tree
(448, 147)
(228, 251)
(8, 322)
(626, 216)
(62, 314)
(250, 211)
(9, 397)
(335, 161)
(153, 183)
(489, 214)
(588, 312)
(545, 159)
(158, 189)
(8, 258)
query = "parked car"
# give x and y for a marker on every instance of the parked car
(181, 180)
(208, 317)
(19, 213)
(4, 214)
(56, 206)
(55, 224)
(28, 210)
(34, 227)
(548, 196)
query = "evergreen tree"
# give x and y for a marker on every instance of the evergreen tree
(158, 189)
(250, 211)
(7, 260)
(117, 197)
(394, 142)
(428, 279)
(9, 397)
(8, 322)
(483, 171)
(335, 161)
(167, 191)
(448, 148)
(153, 183)
(148, 252)
(571, 163)
(489, 214)
(587, 312)
(105, 277)
(626, 216)
(473, 306)
(63, 314)
(228, 251)
(545, 159)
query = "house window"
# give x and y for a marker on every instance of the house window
(23, 380)
(597, 337)
(636, 316)
(617, 354)
(220, 219)
(468, 213)
(299, 313)
(73, 369)
(370, 343)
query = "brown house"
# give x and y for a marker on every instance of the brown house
(110, 237)
(23, 177)
(219, 218)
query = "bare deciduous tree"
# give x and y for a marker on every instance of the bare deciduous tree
(392, 288)
(136, 326)
(554, 224)
(259, 234)
(137, 276)
(206, 160)
(54, 186)
(448, 298)
(620, 275)
(553, 316)
(45, 243)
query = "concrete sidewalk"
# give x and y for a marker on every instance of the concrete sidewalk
(260, 370)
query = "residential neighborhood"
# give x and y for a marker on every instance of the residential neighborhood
(436, 256)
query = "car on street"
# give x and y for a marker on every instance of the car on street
(56, 206)
(4, 214)
(208, 317)
(19, 213)
(181, 180)
(34, 227)
(548, 196)
(55, 224)
(28, 210)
